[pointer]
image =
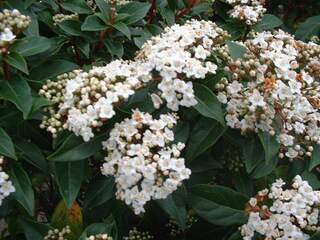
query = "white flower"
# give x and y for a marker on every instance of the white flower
(146, 164)
(7, 35)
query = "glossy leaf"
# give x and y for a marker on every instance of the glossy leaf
(24, 193)
(69, 176)
(31, 45)
(6, 145)
(309, 28)
(208, 104)
(218, 205)
(17, 61)
(268, 22)
(18, 92)
(315, 159)
(236, 50)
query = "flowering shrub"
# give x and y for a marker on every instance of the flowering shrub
(156, 119)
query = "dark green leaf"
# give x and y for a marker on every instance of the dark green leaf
(69, 176)
(181, 132)
(31, 153)
(115, 48)
(76, 6)
(315, 159)
(205, 133)
(218, 205)
(136, 11)
(74, 149)
(105, 8)
(270, 145)
(93, 23)
(309, 28)
(208, 104)
(174, 205)
(252, 150)
(24, 193)
(236, 50)
(6, 145)
(17, 61)
(268, 22)
(34, 230)
(18, 92)
(51, 68)
(312, 179)
(29, 46)
(315, 236)
(100, 190)
(120, 26)
(265, 168)
(71, 27)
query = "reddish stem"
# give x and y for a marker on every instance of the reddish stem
(105, 32)
(153, 11)
(186, 10)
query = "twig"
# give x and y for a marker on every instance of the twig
(153, 11)
(186, 10)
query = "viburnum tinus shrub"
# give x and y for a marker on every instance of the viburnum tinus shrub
(158, 119)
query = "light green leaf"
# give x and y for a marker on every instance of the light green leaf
(17, 61)
(309, 28)
(6, 145)
(236, 50)
(268, 22)
(208, 104)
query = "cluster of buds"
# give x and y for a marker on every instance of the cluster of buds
(178, 56)
(103, 236)
(144, 160)
(248, 11)
(275, 88)
(6, 187)
(57, 234)
(279, 213)
(60, 17)
(175, 230)
(12, 22)
(134, 234)
(83, 101)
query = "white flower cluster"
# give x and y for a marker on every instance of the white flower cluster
(57, 234)
(6, 186)
(249, 11)
(103, 236)
(144, 160)
(276, 86)
(83, 101)
(60, 17)
(291, 214)
(12, 22)
(179, 55)
(134, 234)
